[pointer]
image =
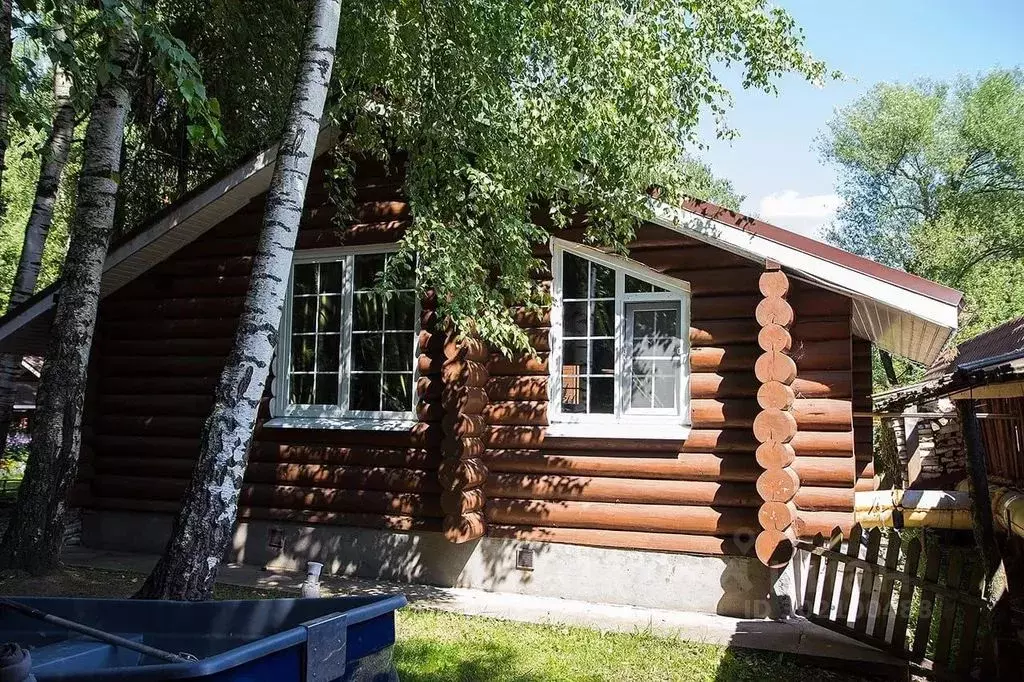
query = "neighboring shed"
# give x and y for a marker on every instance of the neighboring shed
(630, 461)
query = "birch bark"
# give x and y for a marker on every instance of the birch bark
(205, 522)
(33, 538)
(55, 157)
(6, 43)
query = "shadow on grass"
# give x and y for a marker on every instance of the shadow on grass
(420, 660)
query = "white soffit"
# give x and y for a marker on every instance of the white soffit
(904, 322)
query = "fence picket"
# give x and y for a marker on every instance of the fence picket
(829, 585)
(813, 569)
(867, 582)
(943, 643)
(849, 575)
(972, 616)
(927, 606)
(899, 630)
(892, 560)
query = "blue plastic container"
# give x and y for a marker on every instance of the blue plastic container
(279, 640)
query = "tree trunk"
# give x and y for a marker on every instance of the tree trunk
(6, 44)
(204, 525)
(55, 157)
(33, 538)
(887, 366)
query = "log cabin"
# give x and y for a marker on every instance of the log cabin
(692, 408)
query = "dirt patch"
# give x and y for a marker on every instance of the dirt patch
(71, 581)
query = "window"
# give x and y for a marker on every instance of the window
(619, 343)
(346, 349)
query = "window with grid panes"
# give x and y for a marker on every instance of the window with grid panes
(619, 350)
(349, 350)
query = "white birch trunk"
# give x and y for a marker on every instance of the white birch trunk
(33, 538)
(55, 157)
(203, 528)
(6, 43)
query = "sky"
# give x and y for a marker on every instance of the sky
(774, 162)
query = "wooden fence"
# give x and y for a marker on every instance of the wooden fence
(921, 603)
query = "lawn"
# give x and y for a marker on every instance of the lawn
(436, 646)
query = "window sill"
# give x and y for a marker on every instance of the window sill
(619, 430)
(340, 424)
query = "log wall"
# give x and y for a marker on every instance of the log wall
(162, 341)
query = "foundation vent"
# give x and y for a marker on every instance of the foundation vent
(524, 559)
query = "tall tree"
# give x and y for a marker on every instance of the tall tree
(203, 527)
(36, 531)
(932, 177)
(54, 158)
(6, 43)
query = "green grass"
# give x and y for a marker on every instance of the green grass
(435, 646)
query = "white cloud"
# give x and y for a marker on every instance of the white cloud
(808, 215)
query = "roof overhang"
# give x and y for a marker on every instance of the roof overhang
(906, 315)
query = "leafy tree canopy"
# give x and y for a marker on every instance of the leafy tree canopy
(503, 105)
(932, 175)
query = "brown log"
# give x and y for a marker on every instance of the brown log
(517, 412)
(775, 396)
(865, 485)
(715, 414)
(419, 435)
(723, 307)
(192, 365)
(147, 348)
(464, 372)
(718, 281)
(330, 476)
(517, 388)
(468, 400)
(689, 467)
(774, 338)
(722, 332)
(823, 443)
(462, 448)
(431, 344)
(810, 523)
(464, 425)
(625, 539)
(459, 529)
(515, 436)
(531, 318)
(777, 515)
(674, 518)
(714, 359)
(155, 404)
(824, 471)
(775, 367)
(222, 266)
(774, 311)
(775, 455)
(124, 425)
(823, 414)
(627, 490)
(429, 411)
(778, 485)
(458, 347)
(429, 387)
(333, 455)
(499, 365)
(745, 384)
(773, 284)
(358, 520)
(156, 329)
(814, 498)
(461, 473)
(777, 425)
(458, 502)
(154, 287)
(774, 548)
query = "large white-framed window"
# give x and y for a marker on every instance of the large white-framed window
(347, 352)
(619, 347)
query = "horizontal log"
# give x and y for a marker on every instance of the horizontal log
(116, 309)
(626, 490)
(455, 447)
(821, 355)
(365, 233)
(458, 474)
(701, 520)
(822, 414)
(127, 425)
(517, 412)
(517, 388)
(499, 365)
(458, 502)
(681, 261)
(467, 399)
(624, 539)
(155, 404)
(824, 471)
(212, 328)
(745, 385)
(337, 499)
(162, 366)
(352, 519)
(378, 211)
(419, 435)
(463, 372)
(810, 523)
(814, 498)
(823, 443)
(531, 318)
(719, 281)
(466, 348)
(217, 266)
(412, 458)
(689, 467)
(464, 425)
(464, 528)
(156, 287)
(353, 478)
(212, 245)
(144, 349)
(712, 332)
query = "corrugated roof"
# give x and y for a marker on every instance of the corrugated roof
(998, 344)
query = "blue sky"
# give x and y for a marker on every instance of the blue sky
(774, 162)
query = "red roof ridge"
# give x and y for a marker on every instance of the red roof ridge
(852, 261)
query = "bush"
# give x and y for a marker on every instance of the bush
(12, 465)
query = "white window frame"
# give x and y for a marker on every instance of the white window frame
(668, 424)
(286, 414)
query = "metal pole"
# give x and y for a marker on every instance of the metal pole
(102, 636)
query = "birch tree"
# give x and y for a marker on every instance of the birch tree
(34, 536)
(6, 43)
(204, 525)
(54, 158)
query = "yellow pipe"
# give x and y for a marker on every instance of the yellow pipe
(913, 509)
(1008, 510)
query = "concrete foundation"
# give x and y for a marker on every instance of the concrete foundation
(733, 586)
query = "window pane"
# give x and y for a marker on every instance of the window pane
(667, 322)
(304, 314)
(326, 389)
(643, 325)
(406, 274)
(602, 281)
(574, 319)
(366, 311)
(330, 313)
(640, 390)
(574, 392)
(397, 392)
(305, 279)
(302, 353)
(602, 395)
(574, 276)
(330, 278)
(398, 352)
(364, 392)
(602, 360)
(574, 357)
(327, 352)
(366, 271)
(301, 390)
(401, 311)
(636, 286)
(366, 352)
(602, 318)
(664, 392)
